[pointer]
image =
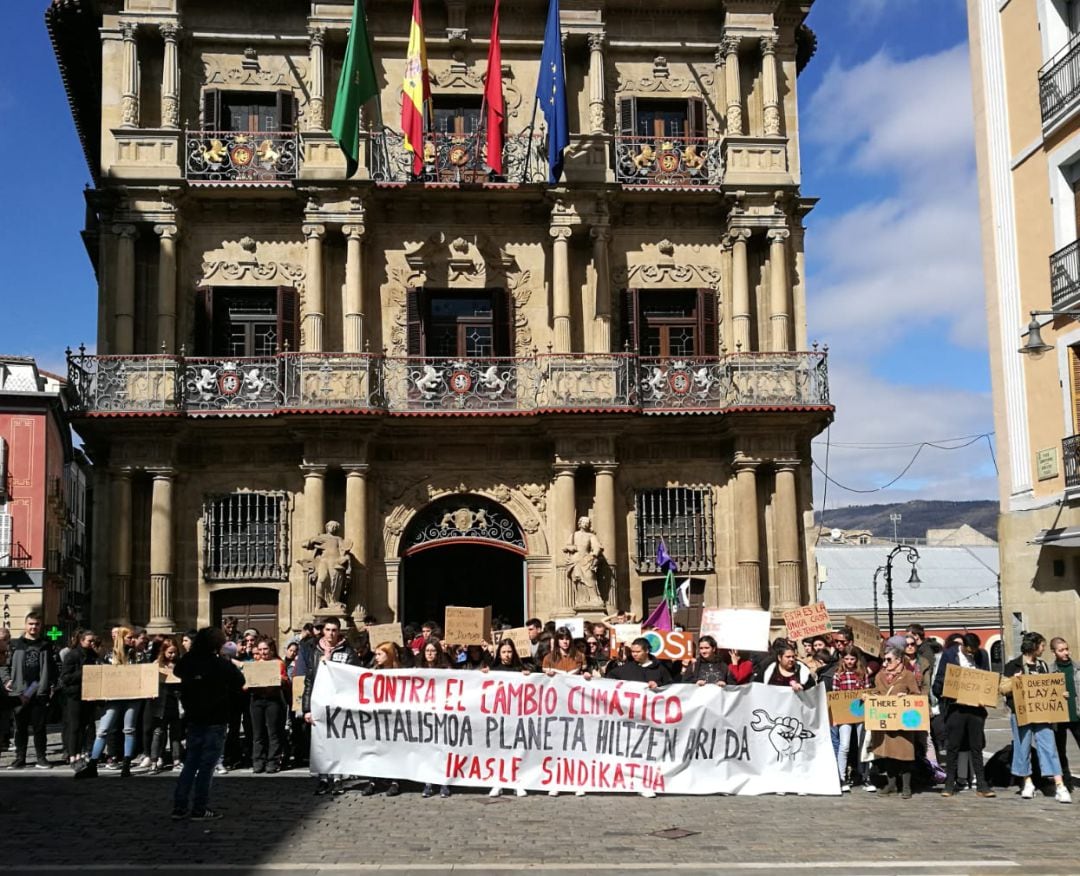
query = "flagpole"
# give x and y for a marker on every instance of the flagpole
(529, 142)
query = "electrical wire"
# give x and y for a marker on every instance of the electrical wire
(824, 489)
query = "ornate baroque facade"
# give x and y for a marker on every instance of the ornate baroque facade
(456, 366)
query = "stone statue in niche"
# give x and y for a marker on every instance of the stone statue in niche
(328, 569)
(583, 551)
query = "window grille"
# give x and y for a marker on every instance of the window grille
(683, 517)
(246, 537)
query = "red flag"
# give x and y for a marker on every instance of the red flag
(493, 98)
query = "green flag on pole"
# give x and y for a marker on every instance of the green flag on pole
(356, 86)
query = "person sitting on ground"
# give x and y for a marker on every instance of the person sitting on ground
(894, 750)
(786, 671)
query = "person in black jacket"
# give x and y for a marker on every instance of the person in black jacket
(708, 668)
(641, 667)
(209, 685)
(78, 713)
(964, 725)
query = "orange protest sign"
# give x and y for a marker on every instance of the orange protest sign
(810, 620)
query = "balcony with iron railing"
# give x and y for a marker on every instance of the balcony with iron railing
(1065, 277)
(363, 383)
(15, 557)
(456, 159)
(1059, 83)
(256, 157)
(1070, 454)
(669, 162)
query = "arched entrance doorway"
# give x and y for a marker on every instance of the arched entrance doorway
(463, 550)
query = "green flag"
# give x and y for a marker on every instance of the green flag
(356, 86)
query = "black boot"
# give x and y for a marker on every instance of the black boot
(905, 784)
(87, 771)
(125, 770)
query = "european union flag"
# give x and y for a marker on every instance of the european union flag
(551, 94)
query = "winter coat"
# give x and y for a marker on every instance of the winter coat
(894, 744)
(15, 671)
(643, 672)
(71, 669)
(802, 672)
(343, 653)
(708, 671)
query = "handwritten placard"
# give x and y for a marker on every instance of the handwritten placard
(104, 681)
(379, 633)
(970, 687)
(298, 693)
(846, 707)
(865, 636)
(261, 673)
(576, 625)
(1040, 699)
(810, 620)
(910, 712)
(467, 626)
(520, 637)
(741, 629)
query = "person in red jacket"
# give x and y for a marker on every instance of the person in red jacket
(740, 669)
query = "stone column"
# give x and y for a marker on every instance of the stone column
(314, 512)
(316, 120)
(560, 281)
(166, 315)
(353, 329)
(170, 77)
(730, 46)
(356, 530)
(124, 315)
(565, 520)
(606, 525)
(786, 524)
(770, 91)
(120, 561)
(314, 310)
(129, 95)
(778, 288)
(596, 83)
(740, 289)
(747, 547)
(601, 234)
(161, 553)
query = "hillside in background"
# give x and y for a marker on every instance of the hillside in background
(916, 517)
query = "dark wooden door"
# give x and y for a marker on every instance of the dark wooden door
(253, 607)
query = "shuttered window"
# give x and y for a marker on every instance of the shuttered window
(246, 537)
(683, 517)
(5, 539)
(1074, 374)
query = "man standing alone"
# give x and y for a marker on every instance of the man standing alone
(31, 675)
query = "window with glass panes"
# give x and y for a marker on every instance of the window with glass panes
(245, 537)
(683, 518)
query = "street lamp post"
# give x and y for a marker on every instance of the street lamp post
(912, 557)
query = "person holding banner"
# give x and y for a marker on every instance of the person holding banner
(506, 660)
(386, 657)
(432, 655)
(127, 710)
(708, 668)
(964, 725)
(564, 657)
(1063, 663)
(331, 648)
(894, 750)
(1041, 736)
(787, 671)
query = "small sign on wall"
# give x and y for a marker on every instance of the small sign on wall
(1046, 463)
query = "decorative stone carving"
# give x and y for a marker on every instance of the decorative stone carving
(328, 570)
(535, 493)
(277, 71)
(262, 272)
(583, 551)
(667, 275)
(453, 77)
(666, 84)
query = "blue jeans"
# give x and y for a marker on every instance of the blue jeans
(1042, 735)
(130, 711)
(205, 743)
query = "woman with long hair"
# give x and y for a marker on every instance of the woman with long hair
(506, 660)
(708, 668)
(165, 709)
(121, 654)
(268, 712)
(431, 655)
(386, 657)
(78, 713)
(563, 656)
(849, 675)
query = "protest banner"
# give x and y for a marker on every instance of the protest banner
(810, 620)
(1040, 699)
(970, 687)
(626, 633)
(864, 635)
(520, 637)
(576, 625)
(379, 633)
(104, 681)
(908, 712)
(298, 694)
(742, 629)
(846, 707)
(261, 673)
(669, 644)
(466, 626)
(568, 733)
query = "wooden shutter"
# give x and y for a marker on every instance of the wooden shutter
(1076, 205)
(211, 109)
(288, 319)
(1074, 369)
(706, 315)
(286, 111)
(627, 122)
(204, 321)
(414, 323)
(502, 312)
(695, 118)
(630, 312)
(5, 538)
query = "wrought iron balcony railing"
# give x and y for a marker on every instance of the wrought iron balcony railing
(669, 161)
(1059, 82)
(15, 557)
(1070, 453)
(1065, 276)
(366, 383)
(241, 156)
(457, 158)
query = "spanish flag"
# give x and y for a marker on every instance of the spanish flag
(416, 91)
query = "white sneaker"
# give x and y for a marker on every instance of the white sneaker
(579, 793)
(1028, 791)
(494, 792)
(553, 793)
(146, 763)
(1062, 794)
(647, 793)
(845, 788)
(871, 788)
(521, 792)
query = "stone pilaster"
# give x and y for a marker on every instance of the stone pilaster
(730, 48)
(314, 511)
(170, 77)
(129, 94)
(604, 518)
(596, 83)
(740, 288)
(120, 548)
(316, 113)
(161, 552)
(560, 281)
(778, 288)
(356, 530)
(747, 539)
(601, 235)
(314, 311)
(124, 291)
(353, 329)
(564, 521)
(166, 309)
(769, 87)
(786, 524)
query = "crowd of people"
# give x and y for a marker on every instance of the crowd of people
(206, 718)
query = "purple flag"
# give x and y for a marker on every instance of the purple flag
(664, 562)
(660, 619)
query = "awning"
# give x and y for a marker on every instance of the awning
(1065, 537)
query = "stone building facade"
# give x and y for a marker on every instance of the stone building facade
(459, 366)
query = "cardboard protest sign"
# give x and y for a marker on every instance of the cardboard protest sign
(742, 629)
(520, 637)
(576, 625)
(970, 687)
(865, 636)
(169, 677)
(261, 673)
(846, 707)
(298, 693)
(670, 645)
(626, 633)
(909, 712)
(466, 626)
(1040, 699)
(379, 633)
(810, 620)
(132, 682)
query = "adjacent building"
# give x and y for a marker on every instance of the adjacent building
(456, 366)
(1025, 58)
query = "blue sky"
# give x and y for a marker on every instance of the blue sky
(892, 249)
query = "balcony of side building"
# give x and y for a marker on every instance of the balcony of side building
(1059, 86)
(368, 383)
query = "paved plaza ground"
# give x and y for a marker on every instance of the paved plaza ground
(51, 824)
